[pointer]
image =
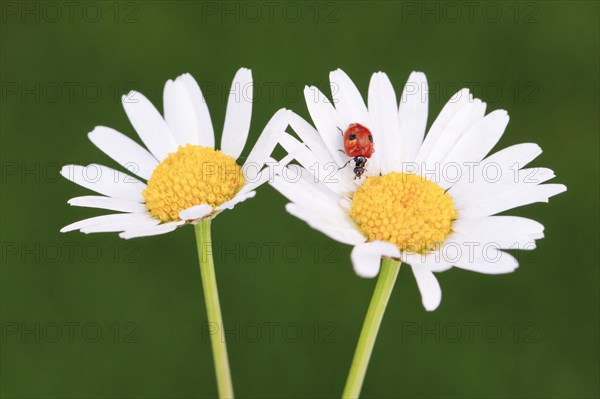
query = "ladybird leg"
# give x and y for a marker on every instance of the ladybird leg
(341, 131)
(346, 164)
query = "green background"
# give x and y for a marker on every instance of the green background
(539, 61)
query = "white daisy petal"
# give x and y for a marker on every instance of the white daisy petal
(506, 182)
(326, 120)
(327, 173)
(508, 232)
(240, 197)
(456, 102)
(385, 125)
(412, 116)
(510, 200)
(180, 113)
(311, 138)
(124, 151)
(433, 261)
(301, 191)
(117, 221)
(206, 135)
(239, 113)
(260, 178)
(314, 215)
(266, 142)
(195, 212)
(347, 100)
(366, 258)
(151, 231)
(505, 162)
(341, 230)
(488, 261)
(106, 181)
(113, 204)
(480, 139)
(149, 125)
(431, 293)
(516, 155)
(119, 226)
(460, 123)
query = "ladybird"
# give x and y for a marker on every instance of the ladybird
(358, 145)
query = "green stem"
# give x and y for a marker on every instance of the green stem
(368, 335)
(213, 309)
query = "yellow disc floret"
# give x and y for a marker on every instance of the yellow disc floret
(191, 176)
(407, 210)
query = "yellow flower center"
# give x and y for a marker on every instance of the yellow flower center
(407, 210)
(191, 176)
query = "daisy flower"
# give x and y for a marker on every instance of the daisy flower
(181, 177)
(429, 201)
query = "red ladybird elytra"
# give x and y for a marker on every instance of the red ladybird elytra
(358, 144)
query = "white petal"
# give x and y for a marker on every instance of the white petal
(259, 178)
(240, 197)
(120, 226)
(195, 212)
(366, 257)
(329, 173)
(239, 113)
(326, 120)
(180, 114)
(460, 123)
(124, 151)
(106, 181)
(509, 200)
(385, 126)
(412, 116)
(149, 125)
(456, 102)
(206, 135)
(347, 100)
(480, 139)
(306, 193)
(311, 138)
(517, 155)
(492, 261)
(266, 142)
(118, 221)
(470, 253)
(507, 160)
(433, 260)
(151, 231)
(431, 293)
(488, 186)
(508, 232)
(113, 204)
(339, 228)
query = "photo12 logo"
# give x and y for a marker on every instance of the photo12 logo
(525, 12)
(253, 252)
(269, 11)
(470, 332)
(271, 332)
(70, 332)
(69, 92)
(42, 252)
(69, 12)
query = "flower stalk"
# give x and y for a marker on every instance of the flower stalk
(368, 335)
(213, 308)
